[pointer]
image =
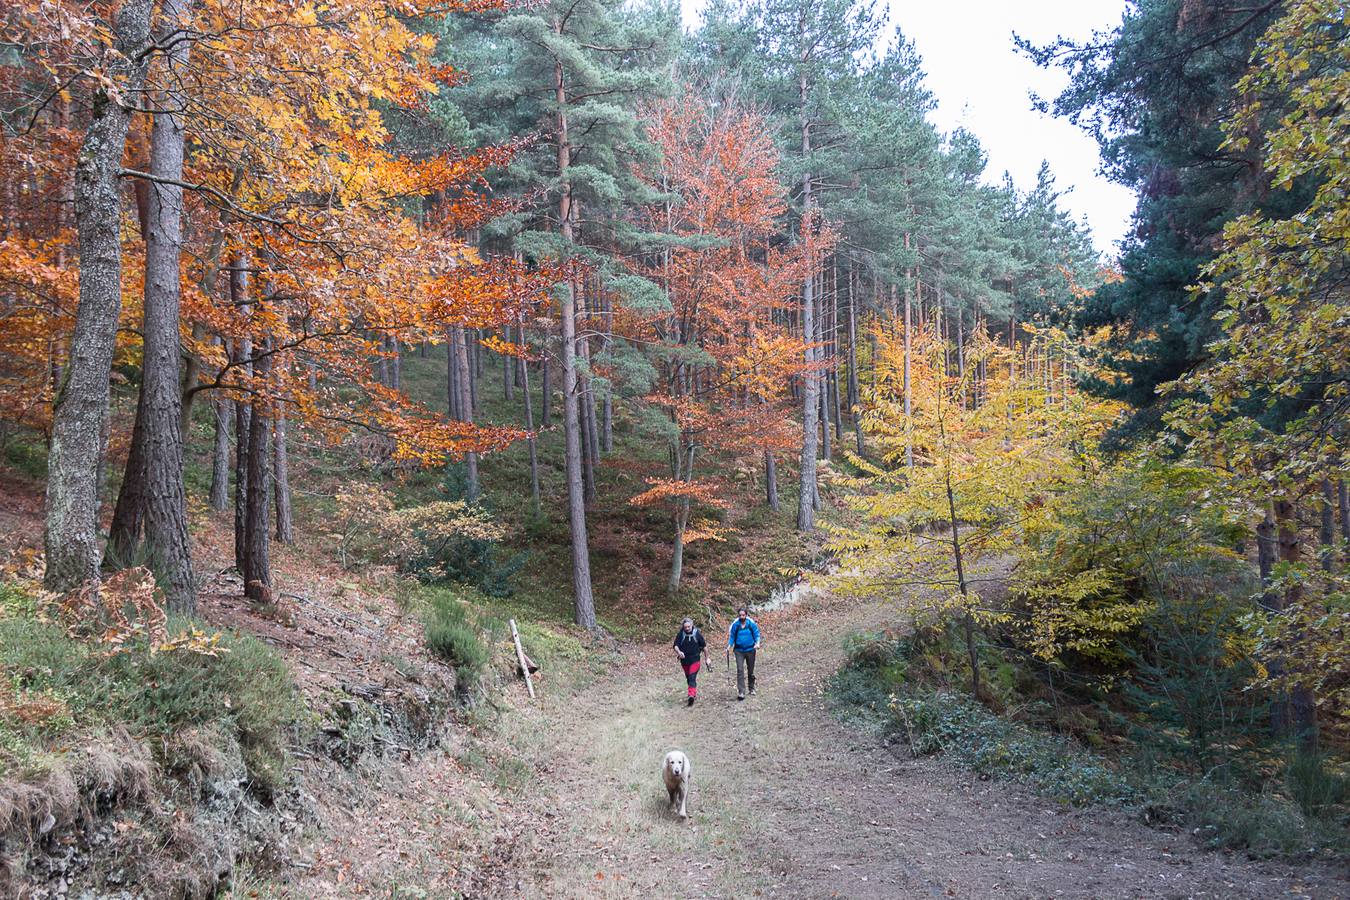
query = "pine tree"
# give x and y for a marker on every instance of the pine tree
(806, 61)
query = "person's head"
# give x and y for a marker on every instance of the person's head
(687, 624)
(743, 612)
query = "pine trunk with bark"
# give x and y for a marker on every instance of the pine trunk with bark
(474, 371)
(836, 402)
(806, 499)
(607, 417)
(583, 600)
(524, 371)
(166, 528)
(546, 389)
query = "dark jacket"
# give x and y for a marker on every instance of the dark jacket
(691, 645)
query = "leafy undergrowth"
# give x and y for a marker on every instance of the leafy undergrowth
(887, 687)
(58, 689)
(161, 756)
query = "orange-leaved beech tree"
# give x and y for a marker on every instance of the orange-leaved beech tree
(287, 248)
(724, 348)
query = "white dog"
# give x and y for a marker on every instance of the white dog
(675, 773)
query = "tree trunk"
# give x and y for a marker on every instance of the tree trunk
(166, 528)
(961, 355)
(909, 424)
(524, 370)
(806, 499)
(854, 388)
(1267, 552)
(1327, 532)
(381, 364)
(591, 424)
(452, 405)
(281, 481)
(607, 426)
(823, 353)
(546, 388)
(395, 363)
(1302, 707)
(584, 602)
(80, 408)
(771, 480)
(220, 456)
(1343, 500)
(836, 401)
(508, 385)
(128, 520)
(464, 378)
(681, 524)
(257, 570)
(587, 457)
(243, 414)
(474, 372)
(968, 623)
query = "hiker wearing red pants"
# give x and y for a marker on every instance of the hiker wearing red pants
(689, 647)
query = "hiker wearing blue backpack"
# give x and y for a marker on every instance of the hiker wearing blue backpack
(743, 640)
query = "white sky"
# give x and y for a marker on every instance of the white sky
(983, 84)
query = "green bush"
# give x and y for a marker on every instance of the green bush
(877, 688)
(26, 452)
(244, 692)
(1186, 687)
(891, 685)
(1264, 824)
(969, 734)
(453, 637)
(1314, 785)
(465, 557)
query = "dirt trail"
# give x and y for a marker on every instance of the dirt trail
(787, 802)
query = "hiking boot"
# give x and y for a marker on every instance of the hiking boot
(691, 702)
(740, 696)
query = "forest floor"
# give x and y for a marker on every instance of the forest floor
(789, 802)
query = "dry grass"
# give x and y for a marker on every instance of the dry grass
(69, 791)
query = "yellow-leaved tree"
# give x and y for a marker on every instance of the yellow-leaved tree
(986, 449)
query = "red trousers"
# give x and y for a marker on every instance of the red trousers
(691, 676)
